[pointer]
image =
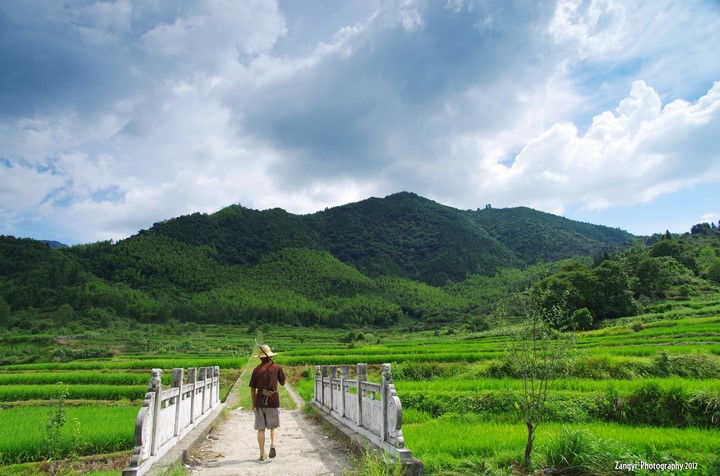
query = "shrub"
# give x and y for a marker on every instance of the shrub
(581, 319)
(425, 370)
(603, 367)
(703, 409)
(695, 365)
(579, 452)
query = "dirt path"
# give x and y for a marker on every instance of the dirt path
(303, 448)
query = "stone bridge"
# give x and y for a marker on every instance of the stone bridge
(180, 425)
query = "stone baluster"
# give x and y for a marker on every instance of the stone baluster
(344, 375)
(361, 377)
(155, 385)
(192, 380)
(318, 384)
(177, 382)
(324, 373)
(385, 381)
(202, 382)
(216, 373)
(333, 375)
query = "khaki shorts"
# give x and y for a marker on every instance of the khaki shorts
(267, 418)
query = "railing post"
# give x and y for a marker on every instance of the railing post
(344, 375)
(361, 377)
(318, 386)
(155, 385)
(385, 380)
(216, 385)
(324, 371)
(201, 380)
(192, 380)
(177, 381)
(211, 396)
(333, 375)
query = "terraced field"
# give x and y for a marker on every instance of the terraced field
(94, 402)
(642, 389)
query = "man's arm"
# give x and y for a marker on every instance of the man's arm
(252, 395)
(281, 376)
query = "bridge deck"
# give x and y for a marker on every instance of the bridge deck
(303, 448)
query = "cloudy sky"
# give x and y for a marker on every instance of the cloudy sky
(118, 114)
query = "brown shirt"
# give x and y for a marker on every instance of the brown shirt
(266, 376)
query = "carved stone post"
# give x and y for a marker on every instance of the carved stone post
(192, 380)
(385, 381)
(211, 390)
(202, 382)
(177, 382)
(155, 385)
(333, 375)
(324, 371)
(216, 374)
(344, 375)
(318, 384)
(361, 377)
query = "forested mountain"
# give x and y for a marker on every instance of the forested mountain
(409, 236)
(378, 261)
(400, 235)
(536, 236)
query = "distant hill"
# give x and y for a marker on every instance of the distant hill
(377, 261)
(401, 235)
(537, 236)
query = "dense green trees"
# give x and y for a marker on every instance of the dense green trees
(617, 285)
(376, 262)
(5, 312)
(33, 274)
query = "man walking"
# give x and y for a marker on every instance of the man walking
(265, 398)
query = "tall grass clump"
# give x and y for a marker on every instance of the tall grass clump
(693, 365)
(578, 452)
(374, 464)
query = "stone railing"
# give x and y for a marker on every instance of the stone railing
(370, 409)
(169, 414)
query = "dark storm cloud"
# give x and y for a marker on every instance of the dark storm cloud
(47, 66)
(382, 91)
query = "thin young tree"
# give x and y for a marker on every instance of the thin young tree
(540, 354)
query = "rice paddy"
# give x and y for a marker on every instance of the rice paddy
(648, 387)
(82, 393)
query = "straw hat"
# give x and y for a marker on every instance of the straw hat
(265, 352)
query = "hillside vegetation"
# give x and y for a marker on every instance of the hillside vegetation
(400, 259)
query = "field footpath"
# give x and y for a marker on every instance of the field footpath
(230, 447)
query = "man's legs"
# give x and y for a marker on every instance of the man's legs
(267, 418)
(261, 442)
(273, 438)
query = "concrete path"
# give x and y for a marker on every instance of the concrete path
(303, 448)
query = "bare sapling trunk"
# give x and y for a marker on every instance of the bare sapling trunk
(539, 354)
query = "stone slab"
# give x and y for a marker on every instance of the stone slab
(302, 449)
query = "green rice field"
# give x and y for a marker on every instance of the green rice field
(88, 391)
(645, 389)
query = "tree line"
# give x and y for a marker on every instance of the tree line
(154, 277)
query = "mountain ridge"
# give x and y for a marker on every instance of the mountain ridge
(379, 261)
(402, 234)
